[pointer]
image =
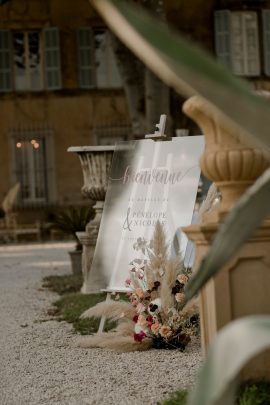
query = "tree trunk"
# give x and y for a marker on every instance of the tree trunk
(147, 96)
(157, 94)
(157, 102)
(132, 73)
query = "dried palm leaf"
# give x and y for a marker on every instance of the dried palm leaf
(125, 328)
(159, 241)
(111, 309)
(115, 341)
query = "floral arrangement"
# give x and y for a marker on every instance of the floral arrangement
(153, 317)
(157, 285)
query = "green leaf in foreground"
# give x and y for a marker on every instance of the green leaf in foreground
(239, 224)
(188, 69)
(233, 347)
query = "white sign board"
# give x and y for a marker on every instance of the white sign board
(149, 182)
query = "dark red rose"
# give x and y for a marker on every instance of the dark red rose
(138, 337)
(135, 318)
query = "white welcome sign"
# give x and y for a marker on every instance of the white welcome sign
(149, 182)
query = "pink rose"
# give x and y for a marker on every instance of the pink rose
(128, 282)
(182, 278)
(140, 308)
(165, 331)
(179, 297)
(154, 328)
(142, 320)
(139, 292)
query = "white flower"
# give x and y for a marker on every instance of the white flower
(138, 328)
(141, 244)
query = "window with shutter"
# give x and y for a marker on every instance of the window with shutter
(26, 58)
(97, 65)
(30, 164)
(86, 57)
(52, 58)
(266, 41)
(245, 43)
(5, 61)
(222, 36)
(237, 41)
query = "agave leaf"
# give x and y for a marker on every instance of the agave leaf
(233, 347)
(188, 69)
(239, 224)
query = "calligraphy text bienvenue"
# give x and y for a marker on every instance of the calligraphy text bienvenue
(150, 176)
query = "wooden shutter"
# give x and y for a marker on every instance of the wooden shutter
(5, 61)
(52, 58)
(266, 41)
(222, 36)
(245, 43)
(86, 57)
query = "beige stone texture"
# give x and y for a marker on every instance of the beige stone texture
(242, 286)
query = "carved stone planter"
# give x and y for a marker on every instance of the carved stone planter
(95, 163)
(242, 286)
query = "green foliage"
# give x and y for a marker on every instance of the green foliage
(177, 398)
(236, 344)
(249, 393)
(68, 283)
(72, 220)
(254, 393)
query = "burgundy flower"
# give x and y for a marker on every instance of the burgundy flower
(150, 321)
(138, 337)
(135, 318)
(153, 307)
(176, 289)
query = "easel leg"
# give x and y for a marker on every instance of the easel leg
(103, 318)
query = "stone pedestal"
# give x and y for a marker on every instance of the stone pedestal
(89, 242)
(95, 163)
(242, 286)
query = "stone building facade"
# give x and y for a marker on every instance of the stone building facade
(59, 84)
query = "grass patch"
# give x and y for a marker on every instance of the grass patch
(249, 393)
(69, 283)
(177, 398)
(72, 303)
(71, 306)
(254, 393)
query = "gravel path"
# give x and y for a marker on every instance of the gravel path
(39, 363)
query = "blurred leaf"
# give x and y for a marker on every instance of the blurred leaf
(233, 347)
(188, 69)
(239, 224)
(72, 219)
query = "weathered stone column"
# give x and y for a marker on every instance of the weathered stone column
(95, 163)
(242, 286)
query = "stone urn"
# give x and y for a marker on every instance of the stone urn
(95, 163)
